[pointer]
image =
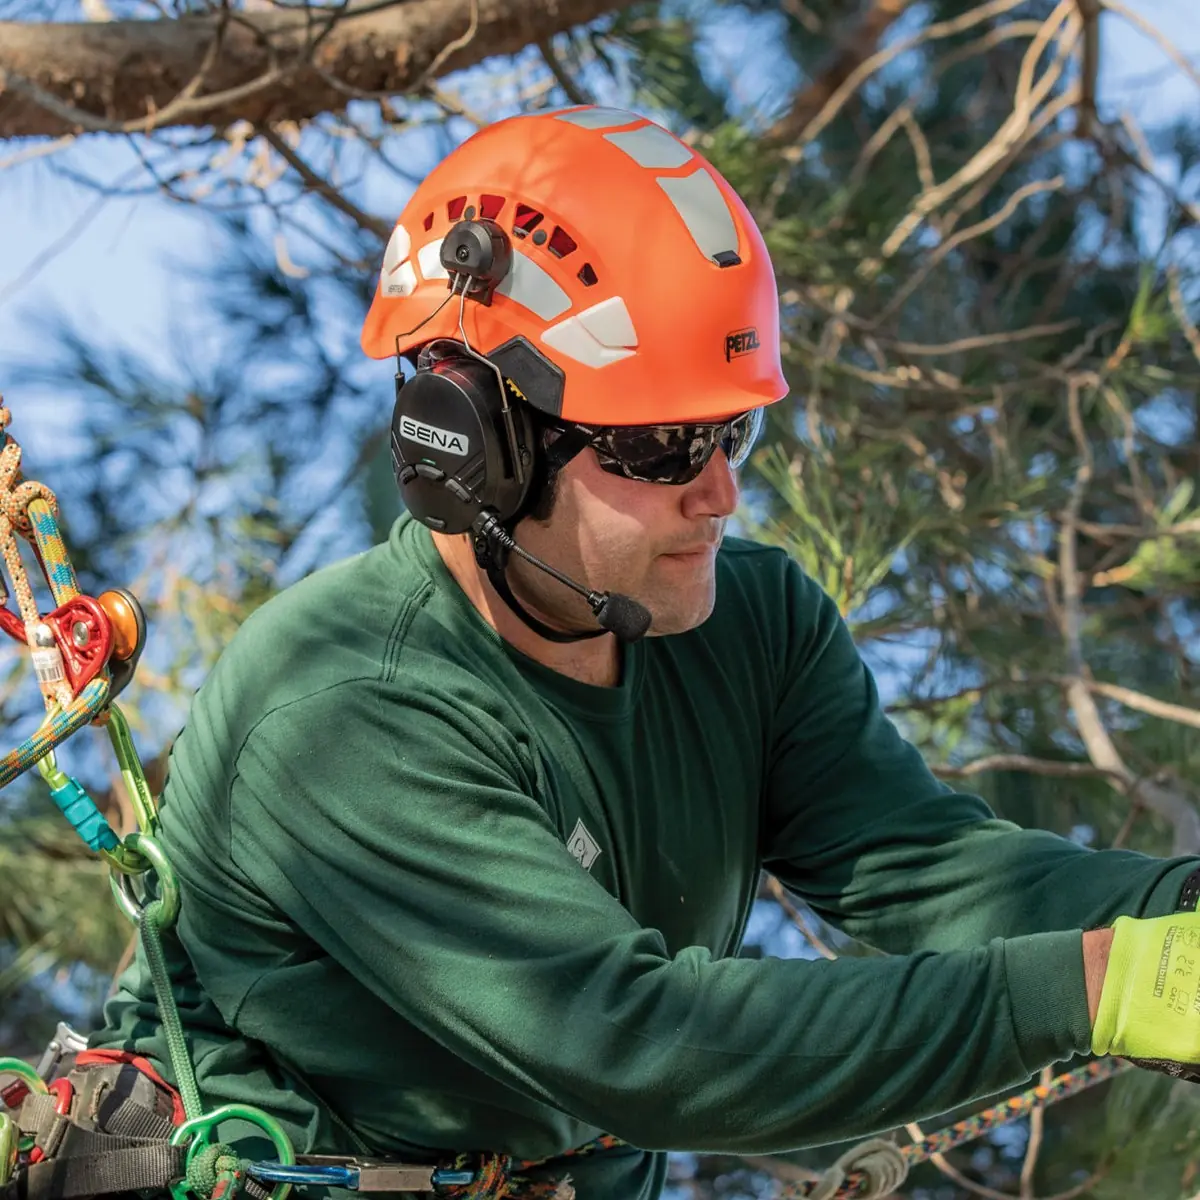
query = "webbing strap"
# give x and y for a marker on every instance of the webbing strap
(127, 1151)
(90, 1164)
(134, 1121)
(36, 1117)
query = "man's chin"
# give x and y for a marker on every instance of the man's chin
(669, 619)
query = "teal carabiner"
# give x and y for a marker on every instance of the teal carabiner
(200, 1129)
(77, 806)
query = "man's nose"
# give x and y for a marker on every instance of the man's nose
(714, 492)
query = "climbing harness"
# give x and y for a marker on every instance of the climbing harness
(111, 1123)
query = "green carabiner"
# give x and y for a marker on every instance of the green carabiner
(9, 1136)
(144, 808)
(201, 1128)
(19, 1067)
(122, 885)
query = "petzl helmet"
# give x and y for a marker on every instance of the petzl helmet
(640, 290)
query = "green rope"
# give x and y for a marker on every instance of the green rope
(181, 1064)
(206, 1168)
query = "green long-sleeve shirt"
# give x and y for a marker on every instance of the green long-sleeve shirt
(438, 896)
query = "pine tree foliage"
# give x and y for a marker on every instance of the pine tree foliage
(989, 455)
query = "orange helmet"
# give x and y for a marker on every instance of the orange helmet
(640, 290)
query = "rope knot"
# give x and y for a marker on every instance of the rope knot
(15, 504)
(880, 1164)
(207, 1167)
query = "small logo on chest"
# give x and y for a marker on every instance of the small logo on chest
(583, 847)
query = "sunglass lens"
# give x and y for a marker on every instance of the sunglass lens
(653, 453)
(744, 431)
(675, 453)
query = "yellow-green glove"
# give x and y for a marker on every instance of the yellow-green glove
(1150, 1003)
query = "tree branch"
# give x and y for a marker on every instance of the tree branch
(323, 188)
(1029, 95)
(1034, 188)
(1037, 1130)
(1159, 796)
(135, 76)
(789, 129)
(1156, 35)
(982, 340)
(570, 86)
(780, 896)
(1147, 704)
(1024, 762)
(852, 51)
(1089, 66)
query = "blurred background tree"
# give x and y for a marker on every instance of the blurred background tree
(988, 457)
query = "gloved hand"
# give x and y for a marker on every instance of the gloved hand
(1149, 1009)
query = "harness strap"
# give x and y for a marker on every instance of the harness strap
(104, 1128)
(89, 1058)
(38, 1117)
(92, 1164)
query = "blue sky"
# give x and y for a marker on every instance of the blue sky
(109, 263)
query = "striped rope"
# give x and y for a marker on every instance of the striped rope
(55, 729)
(29, 510)
(857, 1184)
(498, 1177)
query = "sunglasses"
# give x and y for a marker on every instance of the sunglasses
(672, 454)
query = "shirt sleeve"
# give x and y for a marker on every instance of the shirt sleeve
(400, 831)
(861, 829)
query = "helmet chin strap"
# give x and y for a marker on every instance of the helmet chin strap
(493, 558)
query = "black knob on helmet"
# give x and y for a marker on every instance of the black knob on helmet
(481, 251)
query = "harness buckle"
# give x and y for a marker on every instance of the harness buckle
(65, 1041)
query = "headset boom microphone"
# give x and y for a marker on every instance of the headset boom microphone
(622, 616)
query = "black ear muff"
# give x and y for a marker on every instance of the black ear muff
(460, 443)
(450, 445)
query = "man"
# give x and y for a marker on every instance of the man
(466, 861)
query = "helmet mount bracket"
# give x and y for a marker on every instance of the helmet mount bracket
(476, 255)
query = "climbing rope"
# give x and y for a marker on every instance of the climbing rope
(84, 653)
(877, 1168)
(71, 646)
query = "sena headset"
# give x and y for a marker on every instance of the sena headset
(467, 451)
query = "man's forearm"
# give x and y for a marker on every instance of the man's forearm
(1096, 945)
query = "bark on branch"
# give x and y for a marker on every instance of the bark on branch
(1024, 762)
(857, 45)
(263, 67)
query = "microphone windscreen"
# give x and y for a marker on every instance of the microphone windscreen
(623, 617)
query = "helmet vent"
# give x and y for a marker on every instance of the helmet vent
(561, 243)
(526, 220)
(454, 209)
(587, 275)
(490, 206)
